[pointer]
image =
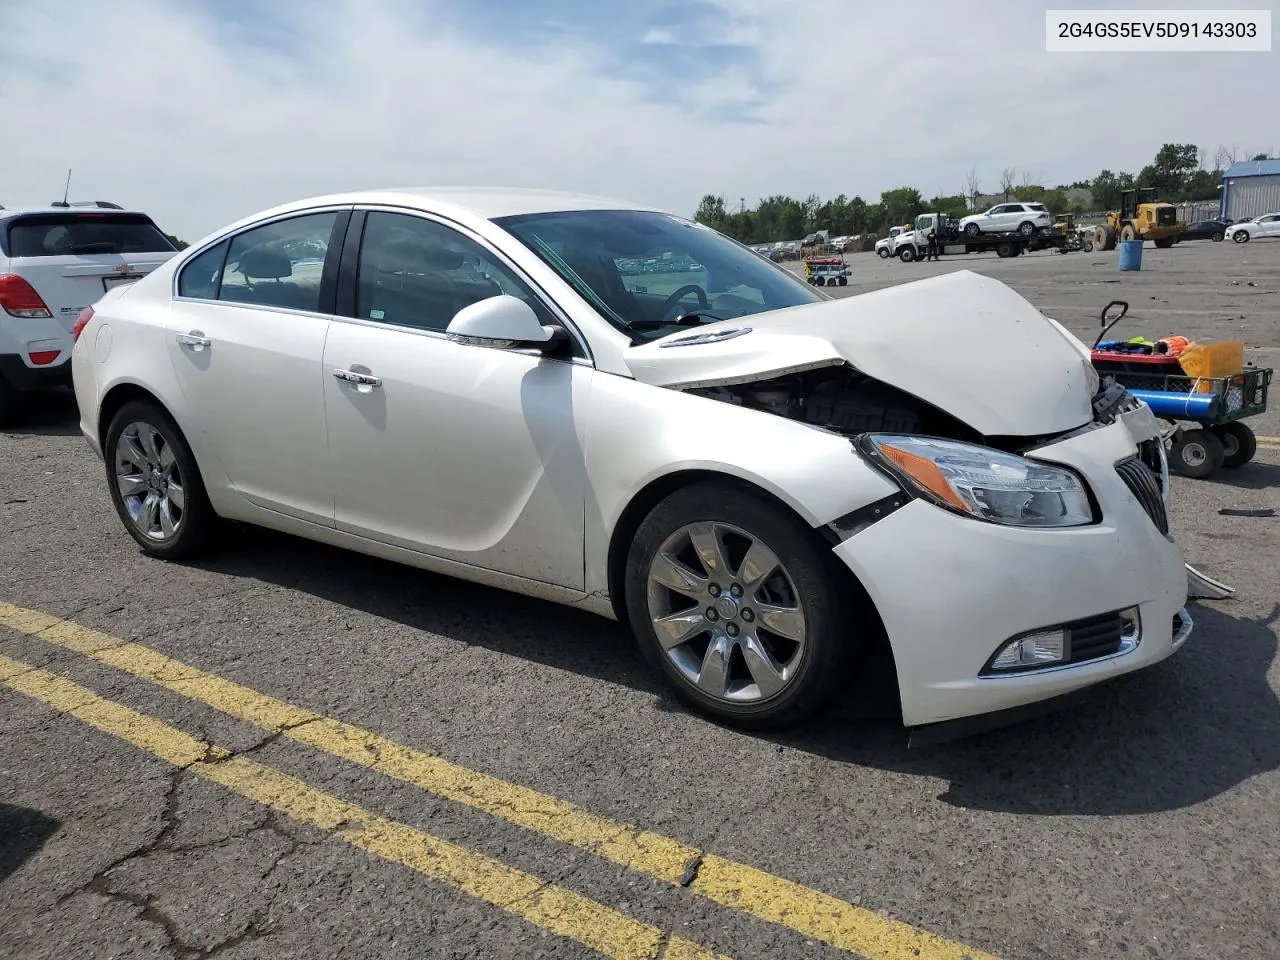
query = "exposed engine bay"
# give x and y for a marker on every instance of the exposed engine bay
(842, 400)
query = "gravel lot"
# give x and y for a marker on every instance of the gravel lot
(1140, 824)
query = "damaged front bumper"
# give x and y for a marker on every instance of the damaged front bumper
(968, 587)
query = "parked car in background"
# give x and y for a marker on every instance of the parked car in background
(1214, 229)
(1266, 226)
(1024, 218)
(779, 492)
(54, 262)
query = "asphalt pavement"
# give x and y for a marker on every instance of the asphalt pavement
(289, 751)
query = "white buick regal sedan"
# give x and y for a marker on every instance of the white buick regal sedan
(615, 408)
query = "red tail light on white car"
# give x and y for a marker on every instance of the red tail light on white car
(20, 299)
(85, 316)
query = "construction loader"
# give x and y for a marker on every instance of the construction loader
(1142, 216)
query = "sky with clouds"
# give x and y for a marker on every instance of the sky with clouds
(203, 111)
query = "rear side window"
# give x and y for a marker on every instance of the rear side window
(84, 234)
(280, 264)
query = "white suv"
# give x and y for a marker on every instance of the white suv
(1024, 218)
(54, 262)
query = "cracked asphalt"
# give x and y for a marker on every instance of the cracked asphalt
(1142, 823)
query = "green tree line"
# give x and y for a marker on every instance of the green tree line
(1178, 172)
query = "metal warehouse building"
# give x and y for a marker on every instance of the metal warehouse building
(1250, 189)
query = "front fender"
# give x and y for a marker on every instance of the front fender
(816, 473)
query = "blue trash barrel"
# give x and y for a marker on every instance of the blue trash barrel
(1130, 254)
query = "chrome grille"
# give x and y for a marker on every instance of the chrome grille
(1145, 487)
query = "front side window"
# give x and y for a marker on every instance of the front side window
(279, 264)
(647, 273)
(415, 272)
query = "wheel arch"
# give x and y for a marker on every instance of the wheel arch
(880, 668)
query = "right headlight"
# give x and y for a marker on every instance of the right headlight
(981, 482)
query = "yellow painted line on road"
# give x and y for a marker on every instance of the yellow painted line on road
(545, 905)
(728, 883)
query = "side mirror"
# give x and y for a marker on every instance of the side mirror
(502, 321)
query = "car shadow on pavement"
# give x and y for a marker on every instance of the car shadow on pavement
(1250, 476)
(47, 413)
(23, 831)
(1178, 733)
(1175, 734)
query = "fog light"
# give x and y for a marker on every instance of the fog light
(1033, 650)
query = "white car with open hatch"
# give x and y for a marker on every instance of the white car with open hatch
(612, 407)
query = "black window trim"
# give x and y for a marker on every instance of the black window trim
(345, 302)
(18, 218)
(328, 275)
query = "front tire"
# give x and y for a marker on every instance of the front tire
(733, 602)
(154, 482)
(1240, 236)
(907, 253)
(972, 230)
(884, 253)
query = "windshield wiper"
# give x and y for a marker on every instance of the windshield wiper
(685, 319)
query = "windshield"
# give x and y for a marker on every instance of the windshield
(646, 272)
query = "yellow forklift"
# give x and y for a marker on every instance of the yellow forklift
(1142, 216)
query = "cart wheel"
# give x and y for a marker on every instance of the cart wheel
(844, 281)
(1238, 443)
(1196, 453)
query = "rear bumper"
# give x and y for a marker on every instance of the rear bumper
(22, 376)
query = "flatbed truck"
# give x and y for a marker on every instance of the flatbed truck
(914, 245)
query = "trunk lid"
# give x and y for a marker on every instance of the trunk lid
(967, 344)
(73, 257)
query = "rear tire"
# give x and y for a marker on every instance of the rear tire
(1127, 232)
(1218, 237)
(8, 402)
(1164, 243)
(798, 596)
(1196, 453)
(1239, 443)
(154, 482)
(1027, 228)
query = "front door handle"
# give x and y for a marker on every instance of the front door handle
(195, 340)
(359, 379)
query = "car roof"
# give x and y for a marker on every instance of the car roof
(7, 212)
(489, 203)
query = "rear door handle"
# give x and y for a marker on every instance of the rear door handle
(195, 340)
(359, 379)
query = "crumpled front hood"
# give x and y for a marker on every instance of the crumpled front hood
(962, 342)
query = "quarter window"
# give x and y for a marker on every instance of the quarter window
(201, 277)
(415, 272)
(279, 264)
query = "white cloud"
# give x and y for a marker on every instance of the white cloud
(155, 108)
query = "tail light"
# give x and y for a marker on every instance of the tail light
(85, 316)
(20, 299)
(43, 358)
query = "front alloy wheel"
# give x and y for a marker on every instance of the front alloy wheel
(738, 605)
(726, 612)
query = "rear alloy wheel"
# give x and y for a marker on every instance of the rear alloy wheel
(731, 599)
(1026, 228)
(154, 482)
(1239, 443)
(1217, 237)
(1196, 453)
